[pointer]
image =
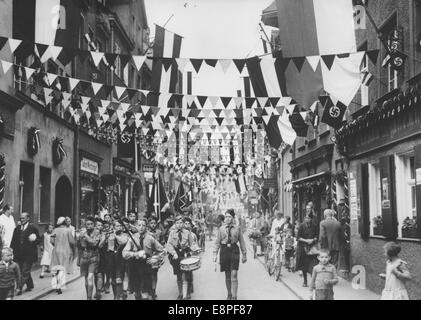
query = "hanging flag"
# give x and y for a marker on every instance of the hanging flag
(167, 44)
(367, 78)
(240, 184)
(280, 129)
(126, 145)
(318, 30)
(333, 113)
(158, 201)
(46, 22)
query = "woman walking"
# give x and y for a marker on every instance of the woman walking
(227, 239)
(306, 239)
(47, 250)
(63, 242)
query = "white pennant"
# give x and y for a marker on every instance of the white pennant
(121, 115)
(14, 44)
(124, 106)
(145, 109)
(99, 122)
(291, 108)
(101, 110)
(105, 103)
(304, 115)
(47, 94)
(96, 87)
(139, 61)
(66, 99)
(6, 66)
(181, 64)
(51, 78)
(29, 72)
(122, 126)
(119, 91)
(225, 64)
(97, 57)
(262, 101)
(105, 117)
(76, 116)
(85, 103)
(313, 61)
(73, 83)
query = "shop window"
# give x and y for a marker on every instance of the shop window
(89, 196)
(374, 196)
(406, 196)
(26, 187)
(45, 195)
(387, 32)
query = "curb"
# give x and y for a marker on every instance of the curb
(46, 292)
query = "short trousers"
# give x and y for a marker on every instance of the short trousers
(89, 265)
(7, 293)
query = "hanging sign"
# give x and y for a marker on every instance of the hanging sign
(89, 166)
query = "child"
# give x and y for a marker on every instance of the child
(59, 278)
(323, 278)
(289, 248)
(396, 274)
(9, 275)
(47, 249)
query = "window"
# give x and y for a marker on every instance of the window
(45, 194)
(374, 192)
(26, 188)
(387, 32)
(406, 195)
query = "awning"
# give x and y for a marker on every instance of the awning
(314, 176)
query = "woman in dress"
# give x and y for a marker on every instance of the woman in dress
(306, 238)
(64, 242)
(47, 250)
(226, 243)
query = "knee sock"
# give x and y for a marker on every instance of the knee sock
(234, 284)
(114, 288)
(119, 290)
(185, 288)
(180, 287)
(90, 290)
(305, 276)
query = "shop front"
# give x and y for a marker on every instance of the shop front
(125, 182)
(89, 185)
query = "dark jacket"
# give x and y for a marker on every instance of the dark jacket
(9, 275)
(330, 234)
(23, 249)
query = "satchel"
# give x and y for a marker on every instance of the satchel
(312, 250)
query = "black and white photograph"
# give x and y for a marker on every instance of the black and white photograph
(210, 150)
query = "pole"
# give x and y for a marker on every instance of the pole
(267, 38)
(379, 35)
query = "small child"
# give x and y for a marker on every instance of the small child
(289, 248)
(323, 278)
(47, 250)
(397, 274)
(9, 275)
(58, 282)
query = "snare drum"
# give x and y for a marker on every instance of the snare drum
(156, 262)
(190, 264)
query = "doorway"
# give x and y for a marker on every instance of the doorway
(63, 204)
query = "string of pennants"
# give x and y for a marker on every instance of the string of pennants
(65, 55)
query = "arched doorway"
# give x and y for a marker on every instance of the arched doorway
(64, 203)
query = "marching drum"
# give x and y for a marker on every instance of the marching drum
(190, 264)
(156, 261)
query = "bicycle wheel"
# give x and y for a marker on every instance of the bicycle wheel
(278, 268)
(270, 267)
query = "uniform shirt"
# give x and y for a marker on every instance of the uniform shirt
(9, 274)
(187, 241)
(149, 244)
(9, 226)
(323, 272)
(222, 238)
(155, 233)
(91, 243)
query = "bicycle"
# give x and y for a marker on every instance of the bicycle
(269, 259)
(279, 257)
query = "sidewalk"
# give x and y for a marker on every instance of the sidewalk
(43, 286)
(294, 282)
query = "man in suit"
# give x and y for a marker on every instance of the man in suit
(24, 244)
(330, 235)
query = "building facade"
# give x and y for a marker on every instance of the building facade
(382, 145)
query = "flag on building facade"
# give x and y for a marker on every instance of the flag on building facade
(313, 33)
(333, 113)
(168, 45)
(240, 184)
(126, 145)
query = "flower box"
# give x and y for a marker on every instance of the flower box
(378, 230)
(410, 233)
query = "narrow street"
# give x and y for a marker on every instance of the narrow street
(254, 283)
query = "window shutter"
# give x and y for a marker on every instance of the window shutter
(387, 169)
(364, 196)
(418, 187)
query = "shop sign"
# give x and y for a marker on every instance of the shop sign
(385, 194)
(89, 166)
(148, 168)
(122, 169)
(270, 183)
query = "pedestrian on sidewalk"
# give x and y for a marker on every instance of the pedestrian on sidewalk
(397, 274)
(306, 239)
(323, 278)
(10, 275)
(330, 236)
(47, 251)
(64, 242)
(7, 225)
(226, 242)
(24, 244)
